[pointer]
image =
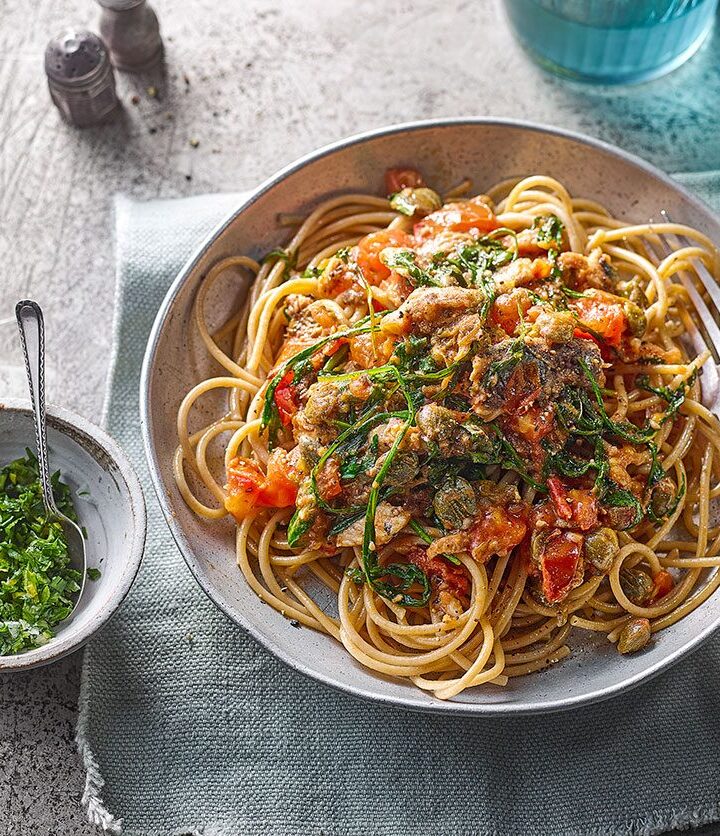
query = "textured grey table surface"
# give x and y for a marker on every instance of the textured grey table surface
(256, 83)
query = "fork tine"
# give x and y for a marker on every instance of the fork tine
(706, 317)
(710, 376)
(708, 280)
(707, 320)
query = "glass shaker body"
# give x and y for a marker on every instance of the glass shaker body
(80, 78)
(131, 31)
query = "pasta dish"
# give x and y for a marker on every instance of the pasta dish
(461, 428)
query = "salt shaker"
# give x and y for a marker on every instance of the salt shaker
(131, 31)
(80, 77)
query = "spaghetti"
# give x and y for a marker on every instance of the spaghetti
(476, 422)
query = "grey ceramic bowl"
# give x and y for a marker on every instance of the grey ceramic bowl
(445, 151)
(110, 507)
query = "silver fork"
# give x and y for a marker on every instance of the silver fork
(704, 335)
(32, 336)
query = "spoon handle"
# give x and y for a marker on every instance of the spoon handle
(32, 336)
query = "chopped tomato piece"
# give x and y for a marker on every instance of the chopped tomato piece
(402, 178)
(559, 564)
(441, 571)
(368, 350)
(663, 582)
(244, 480)
(535, 423)
(378, 306)
(248, 487)
(281, 482)
(396, 289)
(576, 508)
(523, 387)
(603, 316)
(541, 268)
(497, 531)
(558, 495)
(508, 309)
(370, 247)
(584, 507)
(286, 399)
(457, 217)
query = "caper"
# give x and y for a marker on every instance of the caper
(601, 549)
(439, 425)
(634, 635)
(637, 585)
(403, 468)
(454, 503)
(636, 319)
(481, 446)
(633, 291)
(537, 545)
(662, 497)
(420, 201)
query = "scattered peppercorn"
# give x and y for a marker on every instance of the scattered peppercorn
(135, 100)
(194, 142)
(152, 92)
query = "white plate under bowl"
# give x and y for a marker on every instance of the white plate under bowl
(445, 151)
(110, 506)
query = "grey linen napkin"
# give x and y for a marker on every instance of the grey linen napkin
(193, 728)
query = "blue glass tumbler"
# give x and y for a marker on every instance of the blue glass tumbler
(611, 41)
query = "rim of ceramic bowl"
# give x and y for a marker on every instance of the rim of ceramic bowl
(95, 441)
(195, 565)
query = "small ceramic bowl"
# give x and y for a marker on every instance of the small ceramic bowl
(109, 504)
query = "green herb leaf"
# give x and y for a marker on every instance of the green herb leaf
(549, 230)
(297, 528)
(622, 429)
(673, 397)
(37, 581)
(353, 466)
(404, 262)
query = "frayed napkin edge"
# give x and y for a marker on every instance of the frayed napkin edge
(651, 824)
(92, 800)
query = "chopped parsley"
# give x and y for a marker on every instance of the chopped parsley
(673, 397)
(549, 230)
(549, 234)
(37, 581)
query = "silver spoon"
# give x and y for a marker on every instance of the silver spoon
(32, 336)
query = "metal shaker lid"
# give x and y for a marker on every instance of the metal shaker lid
(73, 55)
(120, 5)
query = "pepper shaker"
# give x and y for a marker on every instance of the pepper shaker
(80, 77)
(131, 31)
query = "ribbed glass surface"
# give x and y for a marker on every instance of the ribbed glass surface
(611, 40)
